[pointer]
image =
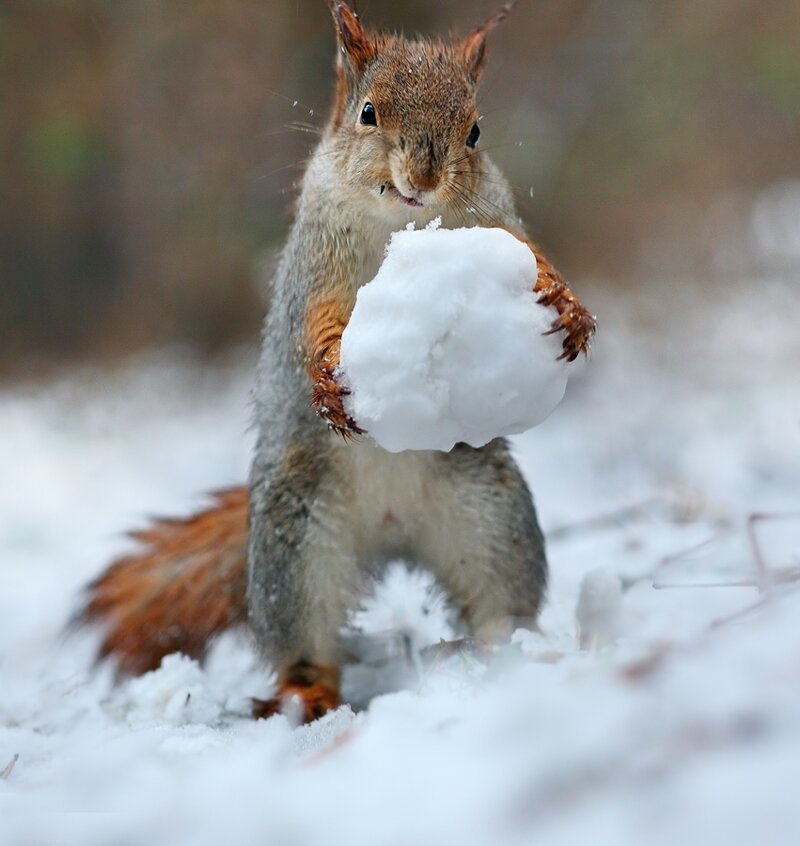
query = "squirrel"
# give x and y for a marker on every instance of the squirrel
(287, 554)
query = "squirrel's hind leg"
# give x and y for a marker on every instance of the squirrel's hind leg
(489, 552)
(302, 576)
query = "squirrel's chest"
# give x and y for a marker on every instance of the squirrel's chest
(391, 495)
(369, 234)
(368, 241)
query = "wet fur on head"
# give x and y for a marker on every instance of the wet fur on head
(424, 95)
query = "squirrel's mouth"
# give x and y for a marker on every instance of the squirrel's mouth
(389, 189)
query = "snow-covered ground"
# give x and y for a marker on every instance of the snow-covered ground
(687, 730)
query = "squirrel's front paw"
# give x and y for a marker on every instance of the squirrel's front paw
(573, 319)
(305, 702)
(328, 401)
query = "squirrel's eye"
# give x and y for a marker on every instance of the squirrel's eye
(368, 115)
(474, 135)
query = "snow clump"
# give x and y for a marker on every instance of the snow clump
(446, 344)
(597, 612)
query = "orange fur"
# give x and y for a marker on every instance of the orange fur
(474, 45)
(314, 701)
(573, 318)
(325, 322)
(314, 688)
(360, 44)
(184, 587)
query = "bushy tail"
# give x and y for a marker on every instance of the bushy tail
(186, 585)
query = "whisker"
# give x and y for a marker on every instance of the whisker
(294, 127)
(304, 126)
(485, 201)
(476, 152)
(451, 200)
(472, 207)
(298, 163)
(484, 178)
(455, 198)
(293, 100)
(454, 162)
(495, 215)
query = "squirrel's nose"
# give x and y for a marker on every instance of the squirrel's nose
(424, 180)
(423, 168)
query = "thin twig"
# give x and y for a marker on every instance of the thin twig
(7, 770)
(690, 585)
(765, 576)
(683, 554)
(605, 520)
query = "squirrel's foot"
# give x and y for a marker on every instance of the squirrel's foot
(328, 401)
(307, 702)
(573, 319)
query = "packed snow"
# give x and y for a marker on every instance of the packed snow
(447, 343)
(679, 723)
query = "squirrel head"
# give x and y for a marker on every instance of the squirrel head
(405, 120)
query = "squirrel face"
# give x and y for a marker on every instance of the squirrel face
(405, 122)
(409, 129)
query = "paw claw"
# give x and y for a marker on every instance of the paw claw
(327, 400)
(578, 325)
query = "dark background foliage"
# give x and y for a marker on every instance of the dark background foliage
(147, 155)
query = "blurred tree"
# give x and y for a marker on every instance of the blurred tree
(148, 147)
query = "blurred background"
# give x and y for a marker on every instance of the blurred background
(148, 164)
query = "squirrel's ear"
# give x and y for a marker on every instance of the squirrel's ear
(353, 38)
(474, 45)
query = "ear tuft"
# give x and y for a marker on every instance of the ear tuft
(474, 45)
(353, 37)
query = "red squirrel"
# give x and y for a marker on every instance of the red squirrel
(286, 554)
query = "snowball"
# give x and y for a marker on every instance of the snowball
(446, 343)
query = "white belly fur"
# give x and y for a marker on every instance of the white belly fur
(396, 499)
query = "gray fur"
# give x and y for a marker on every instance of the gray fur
(324, 511)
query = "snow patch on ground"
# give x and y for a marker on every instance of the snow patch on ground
(683, 727)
